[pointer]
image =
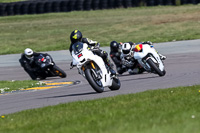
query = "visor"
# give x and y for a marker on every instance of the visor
(126, 51)
(29, 56)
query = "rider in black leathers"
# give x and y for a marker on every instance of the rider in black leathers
(76, 36)
(28, 63)
(115, 53)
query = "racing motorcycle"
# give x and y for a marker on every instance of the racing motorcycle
(93, 68)
(149, 59)
(47, 68)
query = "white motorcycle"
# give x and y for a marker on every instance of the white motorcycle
(149, 59)
(93, 68)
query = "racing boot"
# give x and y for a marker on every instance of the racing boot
(162, 57)
(110, 67)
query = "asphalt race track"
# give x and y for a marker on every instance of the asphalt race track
(182, 67)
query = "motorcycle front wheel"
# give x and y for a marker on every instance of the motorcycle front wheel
(155, 67)
(96, 84)
(59, 72)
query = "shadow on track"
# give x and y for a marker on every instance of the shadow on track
(140, 78)
(78, 94)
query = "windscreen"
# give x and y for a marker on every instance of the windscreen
(77, 47)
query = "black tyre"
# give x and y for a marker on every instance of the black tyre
(24, 9)
(32, 8)
(16, 8)
(96, 85)
(115, 84)
(71, 5)
(79, 5)
(127, 3)
(63, 6)
(9, 9)
(59, 71)
(155, 67)
(40, 7)
(95, 4)
(87, 4)
(103, 4)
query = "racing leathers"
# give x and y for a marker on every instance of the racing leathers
(116, 57)
(95, 49)
(132, 64)
(29, 64)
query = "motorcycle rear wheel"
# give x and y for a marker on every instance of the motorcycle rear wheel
(155, 68)
(115, 84)
(95, 84)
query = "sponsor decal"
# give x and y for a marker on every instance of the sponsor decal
(138, 48)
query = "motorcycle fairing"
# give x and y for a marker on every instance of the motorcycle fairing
(87, 57)
(147, 50)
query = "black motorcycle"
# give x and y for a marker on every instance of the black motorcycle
(47, 68)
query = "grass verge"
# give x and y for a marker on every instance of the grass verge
(7, 86)
(173, 110)
(47, 32)
(7, 1)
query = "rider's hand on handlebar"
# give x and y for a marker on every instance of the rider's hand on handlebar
(97, 46)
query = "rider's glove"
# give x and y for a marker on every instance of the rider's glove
(97, 46)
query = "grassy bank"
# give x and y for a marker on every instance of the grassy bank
(7, 1)
(47, 32)
(7, 86)
(173, 110)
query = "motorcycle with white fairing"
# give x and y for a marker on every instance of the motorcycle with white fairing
(149, 59)
(93, 68)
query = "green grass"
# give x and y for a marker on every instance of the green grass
(47, 32)
(7, 86)
(7, 1)
(173, 110)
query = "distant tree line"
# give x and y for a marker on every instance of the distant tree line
(47, 6)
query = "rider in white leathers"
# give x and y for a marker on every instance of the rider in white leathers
(129, 61)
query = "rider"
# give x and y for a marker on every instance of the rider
(76, 36)
(28, 63)
(127, 54)
(115, 53)
(162, 57)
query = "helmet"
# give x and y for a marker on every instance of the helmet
(126, 48)
(28, 53)
(75, 36)
(114, 46)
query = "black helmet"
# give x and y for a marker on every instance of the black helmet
(114, 46)
(75, 36)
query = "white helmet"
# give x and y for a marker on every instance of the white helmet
(28, 53)
(126, 48)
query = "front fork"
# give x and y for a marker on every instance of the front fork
(94, 70)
